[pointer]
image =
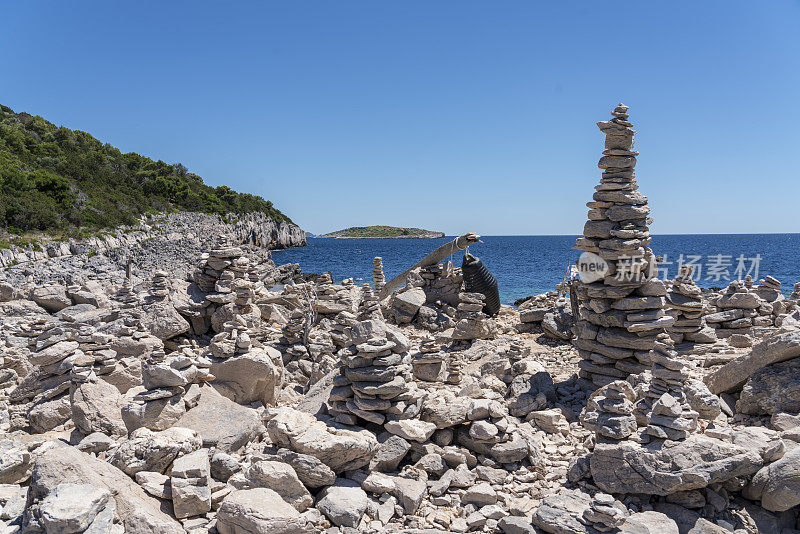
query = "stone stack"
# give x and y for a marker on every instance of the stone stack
(332, 298)
(609, 411)
(377, 274)
(294, 330)
(665, 408)
(685, 303)
(769, 290)
(127, 296)
(737, 310)
(370, 306)
(159, 288)
(215, 265)
(234, 339)
(605, 514)
(375, 381)
(621, 313)
(429, 363)
(472, 322)
(517, 351)
(442, 282)
(796, 293)
(340, 329)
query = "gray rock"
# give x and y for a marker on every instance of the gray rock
(281, 478)
(190, 482)
(343, 503)
(702, 400)
(259, 511)
(648, 523)
(409, 493)
(480, 495)
(777, 485)
(772, 389)
(97, 407)
(311, 471)
(58, 463)
(51, 297)
(511, 524)
(405, 305)
(162, 319)
(72, 507)
(146, 450)
(15, 462)
(390, 453)
(558, 514)
(47, 415)
(155, 484)
(774, 349)
(221, 422)
(252, 377)
(223, 466)
(95, 442)
(338, 447)
(662, 468)
(411, 429)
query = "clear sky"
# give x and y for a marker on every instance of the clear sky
(449, 115)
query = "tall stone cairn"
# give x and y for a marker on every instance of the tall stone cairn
(377, 274)
(622, 313)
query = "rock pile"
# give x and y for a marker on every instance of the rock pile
(609, 411)
(605, 513)
(621, 313)
(377, 274)
(333, 298)
(667, 409)
(739, 309)
(685, 303)
(472, 322)
(375, 382)
(429, 362)
(370, 306)
(159, 288)
(441, 282)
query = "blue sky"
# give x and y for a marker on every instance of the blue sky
(450, 115)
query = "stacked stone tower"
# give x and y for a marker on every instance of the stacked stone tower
(621, 313)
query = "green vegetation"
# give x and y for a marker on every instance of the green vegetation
(383, 231)
(53, 178)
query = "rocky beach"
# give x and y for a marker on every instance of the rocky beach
(170, 377)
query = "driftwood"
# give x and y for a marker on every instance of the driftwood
(440, 254)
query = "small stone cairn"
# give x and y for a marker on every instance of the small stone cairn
(606, 514)
(609, 411)
(332, 298)
(429, 362)
(233, 340)
(685, 301)
(378, 277)
(739, 309)
(370, 306)
(796, 293)
(214, 273)
(620, 314)
(472, 322)
(668, 414)
(127, 296)
(441, 282)
(375, 381)
(159, 288)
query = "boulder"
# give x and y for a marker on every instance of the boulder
(777, 485)
(259, 511)
(411, 429)
(222, 423)
(72, 507)
(390, 453)
(59, 463)
(97, 407)
(162, 320)
(343, 503)
(190, 484)
(157, 414)
(51, 297)
(772, 389)
(337, 446)
(255, 376)
(666, 467)
(649, 523)
(405, 305)
(146, 450)
(559, 513)
(15, 462)
(311, 471)
(774, 349)
(283, 479)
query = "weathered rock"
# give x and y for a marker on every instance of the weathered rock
(222, 423)
(162, 320)
(251, 377)
(343, 503)
(72, 507)
(310, 470)
(146, 450)
(15, 462)
(777, 485)
(60, 463)
(259, 511)
(411, 429)
(97, 407)
(390, 453)
(772, 389)
(774, 349)
(558, 514)
(283, 479)
(190, 482)
(336, 446)
(665, 467)
(649, 523)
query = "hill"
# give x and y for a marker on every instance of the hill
(382, 231)
(54, 178)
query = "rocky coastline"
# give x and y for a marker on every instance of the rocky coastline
(172, 378)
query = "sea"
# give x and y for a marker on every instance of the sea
(530, 265)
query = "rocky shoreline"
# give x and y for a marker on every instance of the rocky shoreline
(183, 382)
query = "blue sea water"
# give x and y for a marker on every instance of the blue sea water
(529, 265)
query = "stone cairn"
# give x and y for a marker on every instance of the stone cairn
(685, 303)
(605, 514)
(370, 306)
(429, 363)
(739, 309)
(796, 293)
(609, 411)
(665, 408)
(127, 296)
(332, 298)
(233, 340)
(472, 322)
(620, 314)
(377, 274)
(375, 381)
(442, 282)
(769, 290)
(159, 288)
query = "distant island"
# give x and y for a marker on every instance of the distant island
(382, 231)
